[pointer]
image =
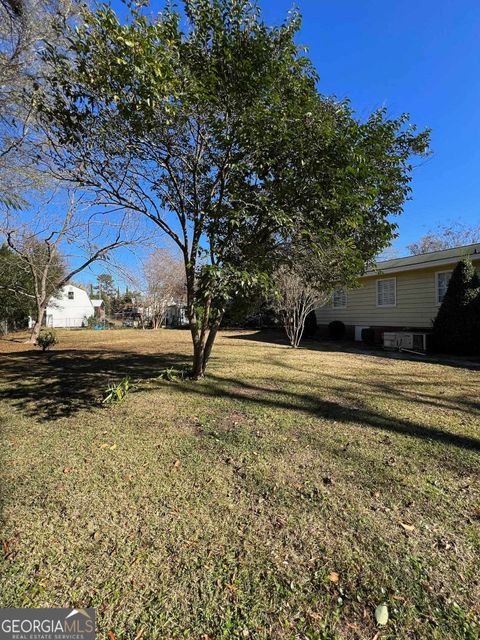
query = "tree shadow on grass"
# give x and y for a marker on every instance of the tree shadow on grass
(57, 384)
(313, 404)
(61, 383)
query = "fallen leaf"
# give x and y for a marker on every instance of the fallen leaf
(407, 527)
(139, 634)
(381, 614)
(114, 446)
(333, 577)
(111, 635)
(104, 445)
(67, 470)
(176, 464)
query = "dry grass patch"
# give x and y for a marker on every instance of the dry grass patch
(285, 496)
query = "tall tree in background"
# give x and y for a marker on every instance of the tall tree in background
(164, 275)
(106, 290)
(17, 297)
(447, 237)
(217, 134)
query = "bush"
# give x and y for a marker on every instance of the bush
(456, 329)
(368, 336)
(47, 339)
(90, 322)
(336, 330)
(311, 326)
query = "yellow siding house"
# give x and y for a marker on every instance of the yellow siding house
(403, 293)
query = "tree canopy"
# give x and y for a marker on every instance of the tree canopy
(213, 128)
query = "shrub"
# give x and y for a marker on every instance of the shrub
(90, 322)
(311, 326)
(456, 329)
(368, 336)
(47, 339)
(336, 330)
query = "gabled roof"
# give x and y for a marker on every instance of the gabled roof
(97, 302)
(426, 260)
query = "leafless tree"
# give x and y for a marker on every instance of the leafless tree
(296, 298)
(40, 240)
(164, 275)
(447, 237)
(306, 281)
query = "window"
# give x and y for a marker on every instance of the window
(71, 295)
(339, 299)
(387, 292)
(442, 279)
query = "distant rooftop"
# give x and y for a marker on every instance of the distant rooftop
(425, 260)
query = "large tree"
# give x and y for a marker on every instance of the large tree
(215, 131)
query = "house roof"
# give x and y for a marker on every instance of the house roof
(97, 302)
(426, 260)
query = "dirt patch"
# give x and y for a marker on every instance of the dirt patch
(234, 420)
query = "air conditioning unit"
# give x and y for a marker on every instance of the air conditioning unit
(415, 342)
(390, 340)
(406, 341)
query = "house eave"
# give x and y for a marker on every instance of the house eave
(425, 261)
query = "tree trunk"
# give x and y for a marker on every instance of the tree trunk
(38, 323)
(210, 340)
(197, 366)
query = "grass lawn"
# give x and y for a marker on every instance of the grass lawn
(285, 496)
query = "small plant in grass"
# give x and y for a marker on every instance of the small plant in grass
(117, 392)
(47, 339)
(170, 374)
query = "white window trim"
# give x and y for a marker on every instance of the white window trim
(340, 306)
(437, 273)
(386, 306)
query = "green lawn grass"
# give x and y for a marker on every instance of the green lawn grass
(284, 496)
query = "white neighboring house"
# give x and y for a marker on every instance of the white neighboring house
(71, 307)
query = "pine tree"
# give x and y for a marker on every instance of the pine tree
(457, 325)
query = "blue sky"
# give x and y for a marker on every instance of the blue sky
(419, 57)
